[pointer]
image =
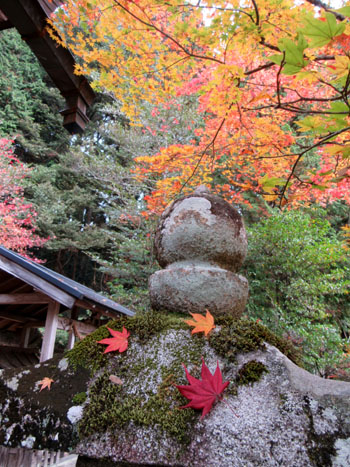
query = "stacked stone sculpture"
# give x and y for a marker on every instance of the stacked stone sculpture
(201, 242)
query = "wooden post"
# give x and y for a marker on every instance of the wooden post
(71, 339)
(25, 337)
(48, 344)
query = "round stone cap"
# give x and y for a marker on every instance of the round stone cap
(201, 227)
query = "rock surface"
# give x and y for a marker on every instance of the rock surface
(193, 287)
(286, 418)
(38, 419)
(201, 242)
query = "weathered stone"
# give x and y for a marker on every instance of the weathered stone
(201, 228)
(202, 242)
(184, 286)
(287, 418)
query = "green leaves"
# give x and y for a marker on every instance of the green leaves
(293, 58)
(313, 124)
(268, 182)
(298, 271)
(345, 11)
(321, 31)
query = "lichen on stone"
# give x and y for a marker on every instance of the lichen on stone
(89, 354)
(150, 368)
(148, 396)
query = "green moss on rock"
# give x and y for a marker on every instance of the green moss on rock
(112, 406)
(79, 398)
(89, 354)
(241, 336)
(251, 372)
(147, 395)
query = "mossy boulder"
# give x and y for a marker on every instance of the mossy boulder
(273, 413)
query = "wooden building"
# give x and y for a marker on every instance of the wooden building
(29, 17)
(32, 296)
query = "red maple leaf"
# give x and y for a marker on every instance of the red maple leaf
(203, 393)
(119, 341)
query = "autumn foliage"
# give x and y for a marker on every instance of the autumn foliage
(271, 81)
(17, 217)
(203, 393)
(46, 383)
(201, 323)
(119, 341)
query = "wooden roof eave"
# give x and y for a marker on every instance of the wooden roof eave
(58, 288)
(37, 282)
(29, 18)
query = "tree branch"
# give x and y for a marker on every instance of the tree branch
(300, 156)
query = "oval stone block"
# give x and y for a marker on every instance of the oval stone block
(190, 288)
(202, 228)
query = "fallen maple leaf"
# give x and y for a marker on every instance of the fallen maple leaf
(119, 341)
(115, 379)
(203, 393)
(46, 383)
(201, 323)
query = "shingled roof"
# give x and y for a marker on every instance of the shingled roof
(46, 281)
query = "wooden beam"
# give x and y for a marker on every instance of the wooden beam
(24, 298)
(35, 281)
(95, 307)
(19, 318)
(48, 344)
(66, 325)
(30, 19)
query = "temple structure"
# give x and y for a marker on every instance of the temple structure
(32, 296)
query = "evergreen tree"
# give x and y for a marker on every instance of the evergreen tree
(29, 103)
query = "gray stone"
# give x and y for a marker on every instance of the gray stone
(193, 288)
(201, 242)
(202, 228)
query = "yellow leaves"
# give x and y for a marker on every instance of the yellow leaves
(308, 77)
(46, 383)
(341, 149)
(341, 67)
(261, 96)
(346, 236)
(148, 51)
(201, 323)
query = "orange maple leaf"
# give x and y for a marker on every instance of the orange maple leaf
(119, 341)
(201, 323)
(46, 383)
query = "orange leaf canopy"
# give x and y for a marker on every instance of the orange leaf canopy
(257, 70)
(119, 341)
(46, 383)
(201, 323)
